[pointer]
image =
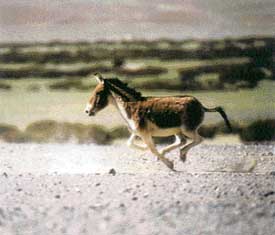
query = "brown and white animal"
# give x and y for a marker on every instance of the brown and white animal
(146, 117)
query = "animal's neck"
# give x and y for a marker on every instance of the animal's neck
(120, 97)
(123, 98)
(121, 106)
(118, 101)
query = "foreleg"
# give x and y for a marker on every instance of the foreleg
(149, 141)
(131, 143)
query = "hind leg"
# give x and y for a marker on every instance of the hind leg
(196, 139)
(179, 141)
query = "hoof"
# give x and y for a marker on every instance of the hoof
(183, 157)
(169, 164)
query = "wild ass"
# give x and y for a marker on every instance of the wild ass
(146, 117)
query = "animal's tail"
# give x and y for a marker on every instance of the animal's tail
(222, 113)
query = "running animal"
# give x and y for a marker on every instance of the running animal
(146, 117)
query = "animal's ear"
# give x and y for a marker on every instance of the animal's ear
(99, 78)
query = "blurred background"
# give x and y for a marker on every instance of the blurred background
(222, 52)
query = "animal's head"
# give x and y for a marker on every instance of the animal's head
(99, 98)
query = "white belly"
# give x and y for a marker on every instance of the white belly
(165, 132)
(162, 132)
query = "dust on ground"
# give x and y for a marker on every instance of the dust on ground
(90, 189)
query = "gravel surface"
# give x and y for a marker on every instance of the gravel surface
(88, 189)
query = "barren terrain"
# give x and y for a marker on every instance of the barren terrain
(89, 189)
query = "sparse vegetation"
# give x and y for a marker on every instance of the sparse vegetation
(49, 131)
(5, 86)
(142, 71)
(161, 67)
(44, 72)
(261, 130)
(221, 76)
(10, 133)
(5, 128)
(118, 62)
(220, 64)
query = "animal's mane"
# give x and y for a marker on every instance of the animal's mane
(122, 88)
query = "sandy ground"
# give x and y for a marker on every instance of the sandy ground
(67, 189)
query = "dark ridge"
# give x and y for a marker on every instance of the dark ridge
(117, 86)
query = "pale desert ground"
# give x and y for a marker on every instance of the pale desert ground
(87, 189)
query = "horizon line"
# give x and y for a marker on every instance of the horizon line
(104, 40)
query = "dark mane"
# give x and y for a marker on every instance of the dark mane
(122, 89)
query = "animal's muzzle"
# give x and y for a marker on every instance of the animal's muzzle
(90, 113)
(89, 110)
